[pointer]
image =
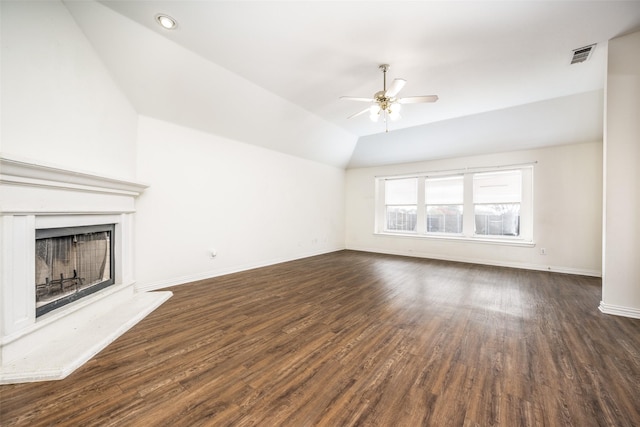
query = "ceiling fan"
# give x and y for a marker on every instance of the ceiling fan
(385, 103)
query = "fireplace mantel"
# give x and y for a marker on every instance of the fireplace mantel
(34, 195)
(22, 179)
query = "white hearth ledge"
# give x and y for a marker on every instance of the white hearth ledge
(44, 354)
(33, 196)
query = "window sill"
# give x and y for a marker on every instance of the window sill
(482, 240)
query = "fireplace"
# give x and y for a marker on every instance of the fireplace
(67, 286)
(72, 262)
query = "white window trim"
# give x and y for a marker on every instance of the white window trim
(468, 235)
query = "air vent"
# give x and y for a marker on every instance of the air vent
(582, 54)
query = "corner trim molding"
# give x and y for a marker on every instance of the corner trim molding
(618, 310)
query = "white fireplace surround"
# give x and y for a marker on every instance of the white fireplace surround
(38, 196)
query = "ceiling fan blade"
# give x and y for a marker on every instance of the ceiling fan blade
(418, 99)
(353, 98)
(357, 114)
(396, 86)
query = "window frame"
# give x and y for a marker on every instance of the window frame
(468, 216)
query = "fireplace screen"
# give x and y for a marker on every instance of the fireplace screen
(72, 263)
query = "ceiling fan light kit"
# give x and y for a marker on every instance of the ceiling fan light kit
(385, 103)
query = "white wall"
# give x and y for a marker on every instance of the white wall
(59, 104)
(621, 279)
(567, 212)
(164, 80)
(254, 206)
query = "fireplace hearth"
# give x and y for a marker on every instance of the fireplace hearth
(67, 286)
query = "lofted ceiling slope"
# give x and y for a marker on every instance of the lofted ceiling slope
(567, 120)
(271, 72)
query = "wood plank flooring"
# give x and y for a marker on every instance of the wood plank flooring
(351, 338)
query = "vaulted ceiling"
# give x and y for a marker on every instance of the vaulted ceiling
(271, 72)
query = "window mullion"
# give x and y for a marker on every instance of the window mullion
(468, 220)
(421, 227)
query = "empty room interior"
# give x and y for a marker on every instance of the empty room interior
(300, 213)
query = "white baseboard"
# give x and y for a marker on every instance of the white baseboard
(236, 269)
(524, 266)
(619, 310)
(151, 286)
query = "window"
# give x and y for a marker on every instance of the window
(486, 205)
(444, 199)
(496, 203)
(401, 204)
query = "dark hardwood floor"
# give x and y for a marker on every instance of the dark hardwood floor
(351, 338)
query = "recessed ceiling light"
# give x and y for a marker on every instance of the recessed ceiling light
(167, 22)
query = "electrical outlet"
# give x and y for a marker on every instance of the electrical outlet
(543, 251)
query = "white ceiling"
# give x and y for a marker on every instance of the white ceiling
(301, 56)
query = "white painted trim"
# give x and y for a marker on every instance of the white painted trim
(20, 171)
(116, 211)
(18, 180)
(457, 238)
(619, 310)
(236, 269)
(524, 266)
(467, 169)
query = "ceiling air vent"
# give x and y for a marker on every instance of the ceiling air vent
(582, 54)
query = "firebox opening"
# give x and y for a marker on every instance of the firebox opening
(72, 262)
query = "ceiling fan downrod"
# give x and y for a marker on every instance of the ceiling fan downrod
(384, 103)
(384, 68)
